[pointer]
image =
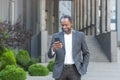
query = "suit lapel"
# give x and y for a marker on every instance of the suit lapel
(62, 39)
(73, 40)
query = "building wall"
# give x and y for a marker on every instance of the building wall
(118, 22)
(52, 16)
(113, 14)
(109, 45)
(64, 9)
(11, 9)
(4, 10)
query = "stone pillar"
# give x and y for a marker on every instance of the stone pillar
(97, 17)
(28, 14)
(103, 15)
(81, 7)
(118, 28)
(113, 47)
(73, 13)
(93, 17)
(77, 15)
(89, 17)
(118, 22)
(42, 15)
(12, 11)
(108, 16)
(43, 35)
(85, 16)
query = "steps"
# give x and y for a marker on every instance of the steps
(96, 52)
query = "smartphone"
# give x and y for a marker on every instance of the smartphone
(57, 39)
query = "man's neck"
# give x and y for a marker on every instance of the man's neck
(68, 33)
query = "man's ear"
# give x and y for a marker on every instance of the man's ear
(71, 23)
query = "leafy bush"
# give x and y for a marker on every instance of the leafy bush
(11, 72)
(50, 65)
(7, 58)
(23, 58)
(14, 35)
(33, 61)
(38, 70)
(3, 50)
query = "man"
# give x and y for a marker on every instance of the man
(66, 46)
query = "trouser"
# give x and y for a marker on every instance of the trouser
(69, 73)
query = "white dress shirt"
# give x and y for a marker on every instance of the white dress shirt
(68, 49)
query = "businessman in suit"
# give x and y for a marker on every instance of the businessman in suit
(66, 46)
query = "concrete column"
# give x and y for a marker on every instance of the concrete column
(103, 15)
(85, 16)
(118, 22)
(118, 28)
(113, 47)
(42, 15)
(89, 16)
(93, 16)
(89, 12)
(97, 17)
(73, 12)
(75, 9)
(78, 21)
(43, 35)
(83, 13)
(12, 11)
(28, 14)
(80, 12)
(108, 16)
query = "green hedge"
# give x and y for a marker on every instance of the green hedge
(38, 70)
(7, 58)
(23, 58)
(11, 72)
(51, 65)
(3, 50)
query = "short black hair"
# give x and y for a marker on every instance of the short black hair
(66, 16)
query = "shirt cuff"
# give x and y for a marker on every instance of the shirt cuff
(53, 52)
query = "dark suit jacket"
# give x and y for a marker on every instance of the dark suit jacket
(78, 44)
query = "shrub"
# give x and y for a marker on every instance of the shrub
(14, 35)
(38, 70)
(3, 50)
(33, 61)
(7, 58)
(23, 58)
(11, 72)
(50, 65)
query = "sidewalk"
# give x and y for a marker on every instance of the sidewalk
(96, 71)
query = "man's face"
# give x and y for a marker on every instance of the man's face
(66, 25)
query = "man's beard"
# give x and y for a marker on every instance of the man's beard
(68, 31)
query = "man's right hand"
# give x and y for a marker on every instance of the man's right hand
(57, 45)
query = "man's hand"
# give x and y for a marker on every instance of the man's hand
(57, 45)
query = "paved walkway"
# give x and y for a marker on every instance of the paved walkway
(96, 71)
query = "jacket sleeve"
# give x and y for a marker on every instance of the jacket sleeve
(50, 54)
(86, 53)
